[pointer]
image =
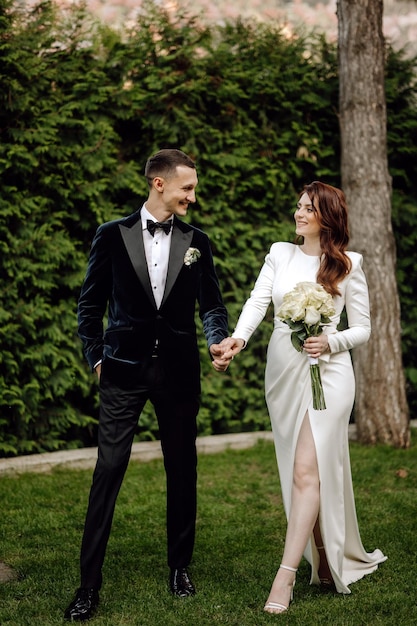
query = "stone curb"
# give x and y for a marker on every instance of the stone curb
(85, 458)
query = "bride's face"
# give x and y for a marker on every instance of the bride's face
(306, 223)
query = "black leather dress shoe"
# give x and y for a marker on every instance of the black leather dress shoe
(180, 583)
(83, 606)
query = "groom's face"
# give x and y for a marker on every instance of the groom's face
(179, 190)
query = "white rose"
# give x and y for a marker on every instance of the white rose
(312, 316)
(293, 307)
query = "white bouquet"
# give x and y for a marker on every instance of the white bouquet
(305, 309)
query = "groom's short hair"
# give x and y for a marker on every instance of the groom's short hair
(165, 162)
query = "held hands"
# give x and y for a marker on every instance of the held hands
(224, 352)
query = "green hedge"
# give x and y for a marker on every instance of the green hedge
(82, 107)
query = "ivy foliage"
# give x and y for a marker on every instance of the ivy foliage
(82, 107)
(58, 155)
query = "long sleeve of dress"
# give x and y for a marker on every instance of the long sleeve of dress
(357, 310)
(255, 308)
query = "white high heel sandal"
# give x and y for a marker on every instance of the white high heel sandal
(276, 607)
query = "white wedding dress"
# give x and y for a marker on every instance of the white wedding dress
(289, 398)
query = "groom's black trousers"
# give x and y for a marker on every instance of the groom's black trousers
(120, 409)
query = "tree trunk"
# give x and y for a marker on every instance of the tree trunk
(381, 411)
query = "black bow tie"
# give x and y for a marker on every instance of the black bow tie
(152, 226)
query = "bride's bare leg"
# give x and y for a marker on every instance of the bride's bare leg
(303, 515)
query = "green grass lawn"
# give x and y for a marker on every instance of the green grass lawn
(240, 535)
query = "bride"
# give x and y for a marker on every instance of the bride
(312, 445)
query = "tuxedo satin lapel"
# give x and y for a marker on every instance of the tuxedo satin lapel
(133, 240)
(180, 243)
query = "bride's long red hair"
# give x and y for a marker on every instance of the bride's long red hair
(331, 213)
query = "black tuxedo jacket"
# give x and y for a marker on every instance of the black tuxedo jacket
(117, 282)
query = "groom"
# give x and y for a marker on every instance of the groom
(148, 271)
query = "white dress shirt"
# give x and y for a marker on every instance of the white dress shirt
(157, 255)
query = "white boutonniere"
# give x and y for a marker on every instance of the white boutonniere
(191, 256)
